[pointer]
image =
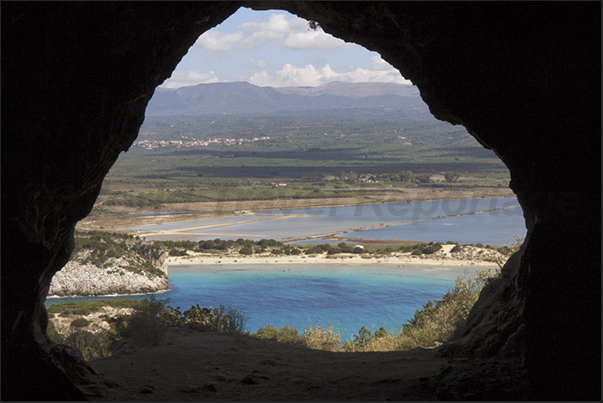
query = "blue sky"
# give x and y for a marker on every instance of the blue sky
(277, 49)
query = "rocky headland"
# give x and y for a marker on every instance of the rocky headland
(109, 264)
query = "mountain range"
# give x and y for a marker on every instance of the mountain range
(243, 97)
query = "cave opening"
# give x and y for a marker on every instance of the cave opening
(117, 182)
(57, 182)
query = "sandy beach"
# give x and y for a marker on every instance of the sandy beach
(470, 257)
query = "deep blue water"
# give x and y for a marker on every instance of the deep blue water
(348, 296)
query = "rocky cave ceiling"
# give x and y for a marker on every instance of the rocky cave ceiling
(523, 78)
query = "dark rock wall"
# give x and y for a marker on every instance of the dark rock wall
(524, 78)
(76, 78)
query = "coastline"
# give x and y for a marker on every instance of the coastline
(440, 258)
(204, 210)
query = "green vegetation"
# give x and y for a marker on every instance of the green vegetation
(285, 334)
(80, 322)
(272, 247)
(146, 326)
(98, 247)
(318, 154)
(87, 307)
(91, 345)
(221, 319)
(438, 322)
(322, 337)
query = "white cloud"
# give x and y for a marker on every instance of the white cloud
(215, 40)
(277, 23)
(380, 65)
(292, 33)
(291, 76)
(188, 78)
(254, 63)
(313, 40)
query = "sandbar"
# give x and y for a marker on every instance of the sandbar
(440, 258)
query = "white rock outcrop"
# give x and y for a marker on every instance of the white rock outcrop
(79, 279)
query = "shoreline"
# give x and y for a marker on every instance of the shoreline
(204, 210)
(272, 260)
(439, 259)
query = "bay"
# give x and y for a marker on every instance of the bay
(346, 296)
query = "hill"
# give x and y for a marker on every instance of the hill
(243, 97)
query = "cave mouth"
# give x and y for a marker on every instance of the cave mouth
(160, 294)
(152, 165)
(544, 74)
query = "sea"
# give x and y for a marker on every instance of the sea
(344, 296)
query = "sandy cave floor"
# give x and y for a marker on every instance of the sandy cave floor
(190, 364)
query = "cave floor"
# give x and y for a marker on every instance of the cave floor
(193, 365)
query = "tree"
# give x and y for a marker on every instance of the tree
(451, 176)
(406, 176)
(422, 178)
(246, 250)
(352, 177)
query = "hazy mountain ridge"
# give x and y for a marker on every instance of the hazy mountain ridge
(242, 97)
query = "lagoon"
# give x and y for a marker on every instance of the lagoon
(487, 221)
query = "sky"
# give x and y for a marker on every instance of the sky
(277, 49)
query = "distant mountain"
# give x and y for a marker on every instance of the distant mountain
(354, 90)
(242, 97)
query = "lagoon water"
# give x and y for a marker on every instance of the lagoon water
(421, 221)
(347, 296)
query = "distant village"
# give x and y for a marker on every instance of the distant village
(152, 144)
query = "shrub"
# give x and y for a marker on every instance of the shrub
(322, 337)
(456, 248)
(144, 327)
(91, 345)
(432, 248)
(51, 331)
(266, 332)
(440, 321)
(246, 250)
(178, 252)
(80, 322)
(286, 334)
(222, 319)
(381, 340)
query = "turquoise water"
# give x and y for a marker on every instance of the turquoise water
(348, 296)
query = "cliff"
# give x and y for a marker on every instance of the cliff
(106, 264)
